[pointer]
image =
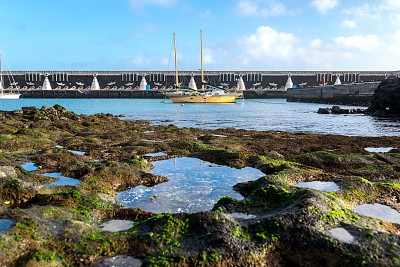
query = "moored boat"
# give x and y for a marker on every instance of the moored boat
(214, 94)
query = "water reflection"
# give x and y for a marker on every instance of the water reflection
(76, 152)
(29, 166)
(318, 185)
(5, 224)
(379, 211)
(156, 154)
(120, 261)
(63, 180)
(116, 225)
(342, 235)
(378, 149)
(194, 185)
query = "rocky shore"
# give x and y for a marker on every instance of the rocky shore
(386, 99)
(289, 225)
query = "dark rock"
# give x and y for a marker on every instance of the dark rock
(339, 110)
(386, 99)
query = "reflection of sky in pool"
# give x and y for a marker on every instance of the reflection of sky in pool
(194, 185)
(378, 149)
(318, 185)
(155, 154)
(342, 235)
(116, 225)
(29, 166)
(76, 152)
(63, 180)
(379, 211)
(5, 224)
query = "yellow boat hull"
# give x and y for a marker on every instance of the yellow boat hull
(177, 98)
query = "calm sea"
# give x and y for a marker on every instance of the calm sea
(264, 114)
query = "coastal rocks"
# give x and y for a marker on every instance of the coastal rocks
(386, 99)
(285, 224)
(339, 110)
(7, 171)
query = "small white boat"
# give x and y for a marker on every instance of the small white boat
(129, 84)
(111, 83)
(302, 84)
(80, 84)
(61, 84)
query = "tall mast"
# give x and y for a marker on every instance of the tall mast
(201, 59)
(176, 64)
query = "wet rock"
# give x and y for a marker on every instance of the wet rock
(288, 225)
(386, 99)
(339, 110)
(7, 172)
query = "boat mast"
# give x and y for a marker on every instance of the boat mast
(176, 64)
(201, 59)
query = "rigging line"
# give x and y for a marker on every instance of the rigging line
(9, 75)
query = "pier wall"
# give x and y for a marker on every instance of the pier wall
(26, 93)
(347, 94)
(165, 80)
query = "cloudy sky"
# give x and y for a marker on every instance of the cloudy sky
(237, 34)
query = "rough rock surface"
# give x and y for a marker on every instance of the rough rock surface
(288, 226)
(386, 99)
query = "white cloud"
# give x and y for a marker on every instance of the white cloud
(270, 49)
(350, 24)
(367, 43)
(268, 44)
(364, 11)
(138, 4)
(261, 8)
(316, 43)
(323, 6)
(390, 4)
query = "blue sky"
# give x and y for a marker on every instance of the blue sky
(237, 34)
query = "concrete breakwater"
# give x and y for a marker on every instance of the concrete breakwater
(348, 94)
(130, 94)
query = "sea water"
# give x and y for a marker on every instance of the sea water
(194, 185)
(249, 114)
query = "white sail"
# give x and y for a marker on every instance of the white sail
(289, 83)
(192, 83)
(143, 84)
(240, 84)
(338, 82)
(46, 84)
(95, 84)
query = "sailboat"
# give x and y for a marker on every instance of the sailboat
(186, 94)
(8, 95)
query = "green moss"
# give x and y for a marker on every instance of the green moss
(265, 231)
(224, 201)
(241, 232)
(94, 236)
(47, 256)
(272, 196)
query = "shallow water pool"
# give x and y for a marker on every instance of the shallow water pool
(318, 185)
(379, 211)
(63, 180)
(29, 166)
(5, 224)
(194, 185)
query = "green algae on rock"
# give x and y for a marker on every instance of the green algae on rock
(61, 226)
